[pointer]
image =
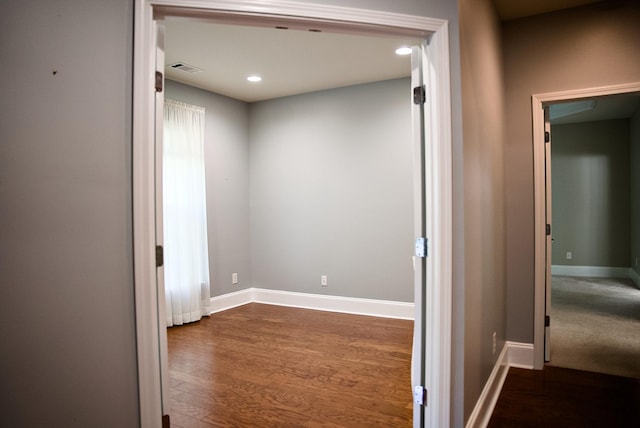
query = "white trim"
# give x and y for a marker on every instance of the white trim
(231, 300)
(593, 271)
(635, 277)
(537, 101)
(320, 302)
(489, 397)
(438, 143)
(514, 354)
(347, 305)
(520, 355)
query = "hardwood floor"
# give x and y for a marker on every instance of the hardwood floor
(267, 366)
(559, 397)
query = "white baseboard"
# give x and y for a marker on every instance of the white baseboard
(489, 397)
(514, 354)
(231, 300)
(350, 305)
(520, 355)
(594, 271)
(635, 277)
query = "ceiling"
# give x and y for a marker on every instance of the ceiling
(620, 106)
(298, 59)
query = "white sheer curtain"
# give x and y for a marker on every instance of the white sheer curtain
(185, 214)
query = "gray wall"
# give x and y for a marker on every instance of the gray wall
(226, 154)
(68, 350)
(484, 199)
(590, 175)
(332, 192)
(587, 47)
(634, 157)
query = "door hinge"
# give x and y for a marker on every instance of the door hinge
(547, 320)
(422, 247)
(159, 255)
(547, 136)
(548, 230)
(159, 80)
(419, 94)
(420, 395)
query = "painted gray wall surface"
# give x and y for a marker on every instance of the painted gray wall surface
(332, 192)
(67, 322)
(484, 199)
(227, 184)
(590, 176)
(589, 47)
(634, 157)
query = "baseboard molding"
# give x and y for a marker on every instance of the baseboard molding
(635, 277)
(594, 271)
(514, 354)
(489, 397)
(349, 305)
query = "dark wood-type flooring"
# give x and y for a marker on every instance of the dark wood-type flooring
(559, 397)
(270, 366)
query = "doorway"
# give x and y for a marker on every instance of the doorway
(593, 323)
(543, 213)
(433, 172)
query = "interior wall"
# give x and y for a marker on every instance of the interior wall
(590, 172)
(332, 192)
(585, 47)
(66, 257)
(484, 198)
(634, 158)
(226, 155)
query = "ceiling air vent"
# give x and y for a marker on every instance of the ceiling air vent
(183, 66)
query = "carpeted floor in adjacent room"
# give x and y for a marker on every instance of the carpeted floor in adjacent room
(595, 325)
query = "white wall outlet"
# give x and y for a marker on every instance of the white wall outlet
(323, 280)
(569, 255)
(234, 278)
(494, 342)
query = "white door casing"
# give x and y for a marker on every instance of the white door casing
(548, 233)
(541, 263)
(433, 369)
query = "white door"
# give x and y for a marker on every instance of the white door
(549, 234)
(418, 381)
(159, 123)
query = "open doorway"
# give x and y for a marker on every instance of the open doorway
(433, 155)
(571, 106)
(594, 300)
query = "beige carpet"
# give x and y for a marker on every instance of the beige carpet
(595, 325)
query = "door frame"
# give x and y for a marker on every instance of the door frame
(541, 262)
(437, 179)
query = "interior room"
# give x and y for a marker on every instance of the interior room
(596, 289)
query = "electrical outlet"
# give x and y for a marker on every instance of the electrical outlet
(323, 280)
(494, 342)
(234, 278)
(569, 255)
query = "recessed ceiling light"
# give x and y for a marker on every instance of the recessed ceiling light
(254, 78)
(404, 50)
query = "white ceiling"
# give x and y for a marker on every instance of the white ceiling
(289, 61)
(620, 106)
(296, 60)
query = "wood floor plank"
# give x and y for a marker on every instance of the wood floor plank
(559, 397)
(265, 365)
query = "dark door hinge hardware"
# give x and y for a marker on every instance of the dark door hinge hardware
(159, 255)
(547, 136)
(548, 229)
(547, 320)
(419, 94)
(420, 395)
(422, 249)
(159, 79)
